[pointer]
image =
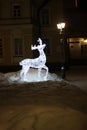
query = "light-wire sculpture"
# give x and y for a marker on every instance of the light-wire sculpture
(38, 63)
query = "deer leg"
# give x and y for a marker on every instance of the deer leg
(39, 73)
(24, 71)
(46, 68)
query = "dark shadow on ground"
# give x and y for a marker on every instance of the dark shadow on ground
(53, 93)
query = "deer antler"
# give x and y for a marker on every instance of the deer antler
(40, 41)
(33, 47)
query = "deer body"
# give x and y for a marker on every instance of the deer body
(38, 63)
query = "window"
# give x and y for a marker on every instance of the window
(18, 47)
(47, 48)
(16, 12)
(1, 48)
(44, 17)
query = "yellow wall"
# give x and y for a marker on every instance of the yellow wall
(22, 27)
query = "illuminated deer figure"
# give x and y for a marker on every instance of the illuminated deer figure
(38, 63)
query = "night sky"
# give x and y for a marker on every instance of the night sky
(82, 4)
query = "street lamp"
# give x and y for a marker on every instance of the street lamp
(60, 27)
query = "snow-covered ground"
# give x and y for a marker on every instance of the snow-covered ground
(32, 76)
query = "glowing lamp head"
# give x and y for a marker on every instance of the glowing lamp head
(60, 26)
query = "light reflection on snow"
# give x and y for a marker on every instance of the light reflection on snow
(33, 70)
(32, 76)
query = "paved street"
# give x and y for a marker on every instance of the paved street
(48, 105)
(77, 75)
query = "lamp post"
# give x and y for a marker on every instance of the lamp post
(60, 27)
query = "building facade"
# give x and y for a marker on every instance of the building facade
(75, 13)
(21, 23)
(17, 23)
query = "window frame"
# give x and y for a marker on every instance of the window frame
(16, 12)
(18, 47)
(45, 17)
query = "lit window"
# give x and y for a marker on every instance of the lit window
(44, 17)
(18, 47)
(1, 49)
(16, 12)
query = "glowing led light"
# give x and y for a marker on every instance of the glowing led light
(61, 26)
(38, 63)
